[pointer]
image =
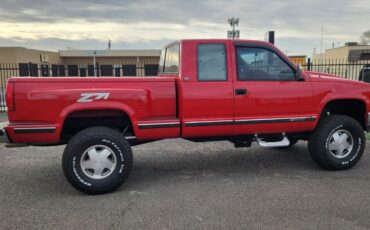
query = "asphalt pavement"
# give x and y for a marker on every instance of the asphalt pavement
(176, 184)
(3, 117)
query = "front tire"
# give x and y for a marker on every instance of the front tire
(97, 160)
(337, 143)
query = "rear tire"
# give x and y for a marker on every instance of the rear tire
(97, 160)
(337, 143)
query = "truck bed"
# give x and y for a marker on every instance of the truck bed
(45, 103)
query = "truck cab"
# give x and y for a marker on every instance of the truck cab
(228, 87)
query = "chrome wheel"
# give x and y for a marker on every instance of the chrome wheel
(98, 162)
(340, 143)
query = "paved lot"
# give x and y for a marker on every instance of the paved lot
(176, 184)
(3, 117)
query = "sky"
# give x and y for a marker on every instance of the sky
(142, 24)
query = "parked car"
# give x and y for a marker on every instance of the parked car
(365, 74)
(235, 90)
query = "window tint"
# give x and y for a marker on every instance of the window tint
(261, 64)
(169, 60)
(212, 62)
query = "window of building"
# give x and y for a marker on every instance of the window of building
(62, 70)
(34, 70)
(54, 70)
(365, 56)
(212, 62)
(106, 70)
(90, 71)
(83, 71)
(73, 70)
(117, 70)
(259, 64)
(45, 70)
(128, 70)
(151, 69)
(24, 70)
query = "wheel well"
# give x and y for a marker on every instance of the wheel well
(77, 121)
(349, 107)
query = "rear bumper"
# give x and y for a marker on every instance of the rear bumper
(4, 137)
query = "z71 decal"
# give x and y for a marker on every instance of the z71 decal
(89, 97)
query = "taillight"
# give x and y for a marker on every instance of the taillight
(9, 95)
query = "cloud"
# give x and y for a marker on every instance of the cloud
(89, 24)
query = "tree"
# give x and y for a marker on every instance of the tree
(365, 38)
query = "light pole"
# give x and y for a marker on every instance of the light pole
(233, 34)
(94, 62)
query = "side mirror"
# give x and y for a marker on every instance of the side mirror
(298, 73)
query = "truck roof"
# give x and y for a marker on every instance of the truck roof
(225, 40)
(205, 40)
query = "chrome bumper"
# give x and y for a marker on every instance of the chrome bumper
(3, 136)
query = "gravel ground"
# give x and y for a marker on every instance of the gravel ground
(176, 184)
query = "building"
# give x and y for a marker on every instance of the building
(23, 55)
(346, 61)
(23, 62)
(298, 59)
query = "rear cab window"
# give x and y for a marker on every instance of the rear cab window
(211, 62)
(169, 59)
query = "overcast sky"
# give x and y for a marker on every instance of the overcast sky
(83, 24)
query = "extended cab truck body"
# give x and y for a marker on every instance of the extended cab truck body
(235, 90)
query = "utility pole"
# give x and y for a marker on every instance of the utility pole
(322, 37)
(94, 59)
(233, 34)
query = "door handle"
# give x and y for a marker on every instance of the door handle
(240, 91)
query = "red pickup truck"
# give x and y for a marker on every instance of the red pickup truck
(235, 90)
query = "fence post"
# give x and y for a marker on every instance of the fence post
(308, 64)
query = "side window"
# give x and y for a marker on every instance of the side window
(161, 61)
(259, 64)
(212, 62)
(169, 60)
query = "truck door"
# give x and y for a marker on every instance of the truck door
(268, 96)
(206, 90)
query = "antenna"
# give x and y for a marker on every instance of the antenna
(233, 34)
